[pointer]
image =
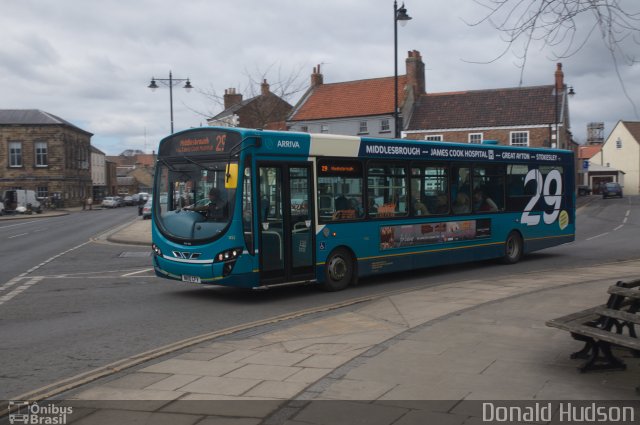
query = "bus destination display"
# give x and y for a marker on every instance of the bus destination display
(199, 143)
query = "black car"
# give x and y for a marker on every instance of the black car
(584, 190)
(611, 189)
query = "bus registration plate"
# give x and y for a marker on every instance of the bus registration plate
(190, 279)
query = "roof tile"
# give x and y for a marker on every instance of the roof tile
(485, 108)
(351, 99)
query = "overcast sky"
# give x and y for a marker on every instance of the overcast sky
(90, 62)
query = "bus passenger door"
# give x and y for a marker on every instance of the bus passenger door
(286, 227)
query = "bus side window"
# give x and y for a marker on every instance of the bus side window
(340, 189)
(388, 182)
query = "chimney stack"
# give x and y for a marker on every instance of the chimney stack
(231, 98)
(559, 78)
(264, 88)
(415, 73)
(316, 77)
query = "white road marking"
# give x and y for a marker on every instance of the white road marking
(618, 228)
(29, 283)
(10, 283)
(18, 235)
(139, 271)
(597, 236)
(24, 223)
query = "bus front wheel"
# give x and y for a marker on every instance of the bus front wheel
(513, 248)
(338, 270)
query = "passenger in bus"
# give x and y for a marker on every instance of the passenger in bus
(342, 203)
(418, 207)
(442, 204)
(217, 209)
(373, 207)
(356, 206)
(481, 202)
(264, 208)
(462, 204)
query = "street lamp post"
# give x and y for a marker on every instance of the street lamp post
(398, 15)
(170, 82)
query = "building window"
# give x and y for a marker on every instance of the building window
(384, 126)
(519, 138)
(304, 129)
(15, 154)
(475, 138)
(42, 191)
(41, 154)
(324, 128)
(362, 127)
(619, 143)
(434, 137)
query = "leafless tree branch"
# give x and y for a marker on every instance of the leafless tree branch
(558, 24)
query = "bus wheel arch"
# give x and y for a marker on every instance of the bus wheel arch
(513, 248)
(340, 269)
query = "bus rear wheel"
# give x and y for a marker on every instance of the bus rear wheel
(513, 248)
(338, 271)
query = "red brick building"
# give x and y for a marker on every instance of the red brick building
(520, 116)
(266, 111)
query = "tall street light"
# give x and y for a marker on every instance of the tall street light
(170, 82)
(398, 15)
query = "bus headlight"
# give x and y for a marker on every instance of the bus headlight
(228, 255)
(229, 258)
(156, 250)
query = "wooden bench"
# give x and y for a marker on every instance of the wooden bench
(604, 326)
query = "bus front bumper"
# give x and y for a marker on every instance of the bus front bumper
(209, 273)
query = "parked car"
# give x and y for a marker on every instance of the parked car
(146, 210)
(584, 190)
(119, 201)
(611, 189)
(109, 202)
(128, 201)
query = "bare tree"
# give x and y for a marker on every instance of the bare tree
(283, 84)
(566, 26)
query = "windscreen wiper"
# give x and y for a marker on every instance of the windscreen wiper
(166, 164)
(199, 164)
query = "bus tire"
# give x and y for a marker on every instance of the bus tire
(513, 248)
(338, 271)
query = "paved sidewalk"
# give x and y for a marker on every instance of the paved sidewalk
(138, 232)
(483, 339)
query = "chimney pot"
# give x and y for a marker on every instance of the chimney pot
(264, 88)
(231, 98)
(559, 78)
(415, 72)
(316, 77)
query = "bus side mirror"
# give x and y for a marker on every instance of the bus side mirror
(231, 174)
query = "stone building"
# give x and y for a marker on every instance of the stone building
(42, 152)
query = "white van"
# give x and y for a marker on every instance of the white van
(21, 201)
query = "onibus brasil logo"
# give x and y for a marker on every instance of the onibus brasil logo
(25, 412)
